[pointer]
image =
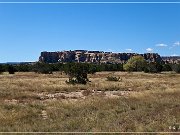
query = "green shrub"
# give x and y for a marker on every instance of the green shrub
(146, 70)
(153, 67)
(167, 67)
(11, 69)
(136, 63)
(176, 68)
(23, 67)
(113, 78)
(42, 68)
(77, 73)
(1, 69)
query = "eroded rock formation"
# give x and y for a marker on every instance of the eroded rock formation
(171, 59)
(93, 56)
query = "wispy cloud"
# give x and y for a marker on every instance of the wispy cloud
(161, 45)
(149, 49)
(129, 50)
(174, 55)
(176, 43)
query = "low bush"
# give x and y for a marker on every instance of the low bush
(77, 73)
(1, 69)
(176, 68)
(86, 92)
(42, 68)
(113, 78)
(153, 67)
(11, 69)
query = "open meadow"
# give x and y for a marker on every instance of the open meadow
(138, 102)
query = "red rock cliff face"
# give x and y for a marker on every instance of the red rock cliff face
(93, 57)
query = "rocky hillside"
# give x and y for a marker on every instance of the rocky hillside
(171, 59)
(93, 56)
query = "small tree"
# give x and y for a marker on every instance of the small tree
(136, 63)
(176, 68)
(11, 69)
(23, 67)
(167, 67)
(153, 67)
(42, 68)
(77, 73)
(1, 69)
(159, 67)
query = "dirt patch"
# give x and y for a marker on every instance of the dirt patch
(82, 95)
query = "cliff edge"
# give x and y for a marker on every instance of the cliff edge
(94, 56)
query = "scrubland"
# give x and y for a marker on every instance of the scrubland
(138, 102)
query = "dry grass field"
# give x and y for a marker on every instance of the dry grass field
(139, 102)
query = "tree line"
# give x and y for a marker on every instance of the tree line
(77, 72)
(47, 68)
(136, 63)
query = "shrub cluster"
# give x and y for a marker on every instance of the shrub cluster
(79, 70)
(176, 68)
(138, 63)
(42, 68)
(153, 68)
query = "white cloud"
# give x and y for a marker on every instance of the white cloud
(177, 43)
(174, 55)
(129, 50)
(161, 45)
(149, 49)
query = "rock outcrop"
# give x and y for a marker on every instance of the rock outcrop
(93, 56)
(171, 59)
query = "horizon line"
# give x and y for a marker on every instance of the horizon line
(78, 2)
(88, 132)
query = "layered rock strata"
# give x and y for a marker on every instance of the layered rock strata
(94, 56)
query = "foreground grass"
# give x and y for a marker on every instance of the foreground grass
(154, 107)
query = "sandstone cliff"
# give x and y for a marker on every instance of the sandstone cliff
(93, 56)
(171, 59)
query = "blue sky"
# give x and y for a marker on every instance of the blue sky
(28, 29)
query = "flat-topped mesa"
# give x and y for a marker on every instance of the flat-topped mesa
(93, 56)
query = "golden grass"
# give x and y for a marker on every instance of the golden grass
(152, 105)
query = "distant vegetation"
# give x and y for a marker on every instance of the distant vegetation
(136, 63)
(46, 68)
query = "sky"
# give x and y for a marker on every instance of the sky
(28, 29)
